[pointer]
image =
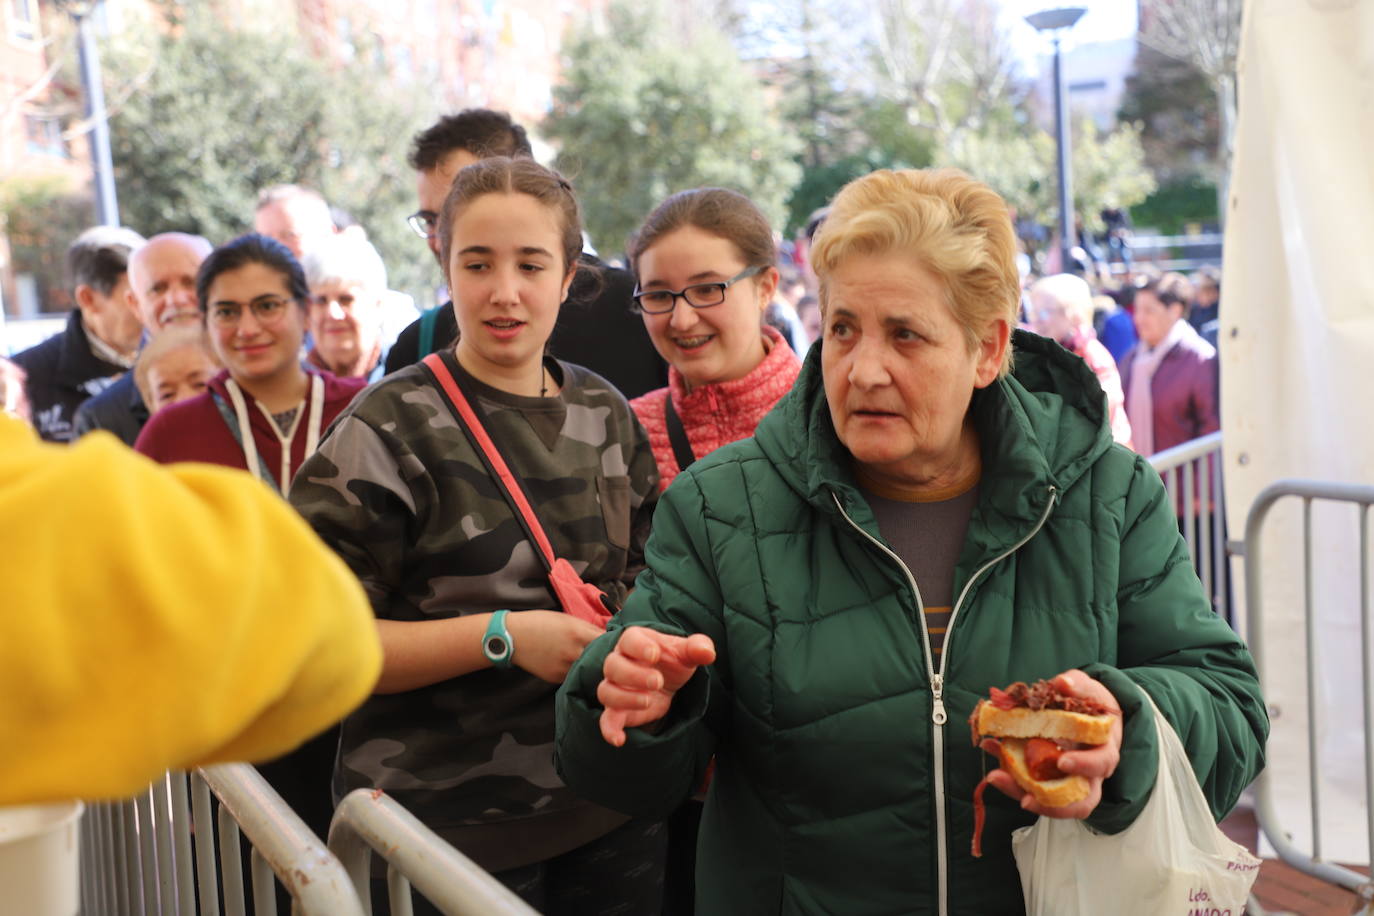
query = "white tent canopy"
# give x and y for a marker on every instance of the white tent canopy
(1297, 360)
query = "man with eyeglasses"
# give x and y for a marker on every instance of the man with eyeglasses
(596, 327)
(162, 293)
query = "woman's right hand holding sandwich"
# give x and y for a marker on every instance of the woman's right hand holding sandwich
(1094, 764)
(641, 675)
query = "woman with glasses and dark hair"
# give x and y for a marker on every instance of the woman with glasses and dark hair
(705, 263)
(265, 413)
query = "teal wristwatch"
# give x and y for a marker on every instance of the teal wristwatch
(497, 644)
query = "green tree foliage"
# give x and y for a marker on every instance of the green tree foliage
(880, 83)
(1108, 170)
(646, 110)
(1177, 105)
(1206, 34)
(1175, 206)
(220, 113)
(40, 216)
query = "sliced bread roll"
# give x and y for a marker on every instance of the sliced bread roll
(1055, 724)
(1052, 793)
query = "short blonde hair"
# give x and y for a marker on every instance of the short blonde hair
(956, 227)
(179, 337)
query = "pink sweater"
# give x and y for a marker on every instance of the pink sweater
(718, 414)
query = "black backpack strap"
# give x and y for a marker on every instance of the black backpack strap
(677, 435)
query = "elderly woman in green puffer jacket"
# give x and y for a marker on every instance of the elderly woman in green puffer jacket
(914, 523)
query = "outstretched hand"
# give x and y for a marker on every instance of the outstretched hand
(641, 675)
(1094, 764)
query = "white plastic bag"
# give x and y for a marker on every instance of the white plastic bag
(1173, 861)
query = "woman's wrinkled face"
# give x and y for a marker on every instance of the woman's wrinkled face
(717, 343)
(1153, 319)
(345, 320)
(177, 375)
(897, 366)
(1049, 318)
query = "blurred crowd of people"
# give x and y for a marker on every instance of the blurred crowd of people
(283, 353)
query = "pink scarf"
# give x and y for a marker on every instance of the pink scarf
(1140, 408)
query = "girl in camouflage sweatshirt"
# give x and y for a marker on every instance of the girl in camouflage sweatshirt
(406, 501)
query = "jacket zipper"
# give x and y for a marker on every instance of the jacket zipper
(937, 679)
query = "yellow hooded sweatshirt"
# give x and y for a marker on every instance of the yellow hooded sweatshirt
(159, 618)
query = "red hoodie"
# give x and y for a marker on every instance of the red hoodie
(195, 430)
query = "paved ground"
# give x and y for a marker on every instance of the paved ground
(1282, 889)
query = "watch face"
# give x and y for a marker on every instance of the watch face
(496, 646)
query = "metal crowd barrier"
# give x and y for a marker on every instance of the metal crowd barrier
(1363, 497)
(137, 855)
(370, 821)
(1192, 477)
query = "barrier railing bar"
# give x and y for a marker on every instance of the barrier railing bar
(264, 885)
(1187, 451)
(1207, 503)
(1188, 473)
(315, 879)
(86, 841)
(146, 854)
(1221, 571)
(181, 834)
(366, 821)
(162, 820)
(92, 887)
(398, 892)
(1368, 668)
(205, 846)
(230, 863)
(110, 814)
(1310, 627)
(126, 815)
(104, 818)
(1265, 809)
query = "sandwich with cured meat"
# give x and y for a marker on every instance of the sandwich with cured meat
(1033, 725)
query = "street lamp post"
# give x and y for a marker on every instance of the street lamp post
(102, 163)
(1057, 22)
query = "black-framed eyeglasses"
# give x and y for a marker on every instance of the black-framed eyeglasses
(267, 309)
(698, 295)
(423, 222)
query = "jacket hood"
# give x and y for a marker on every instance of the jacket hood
(1042, 425)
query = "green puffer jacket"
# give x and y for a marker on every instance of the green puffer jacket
(845, 770)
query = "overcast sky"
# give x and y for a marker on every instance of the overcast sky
(1106, 20)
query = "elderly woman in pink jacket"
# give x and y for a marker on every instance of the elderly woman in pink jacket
(1062, 310)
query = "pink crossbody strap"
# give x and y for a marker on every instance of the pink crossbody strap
(515, 493)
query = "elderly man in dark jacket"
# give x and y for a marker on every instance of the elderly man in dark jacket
(162, 293)
(100, 339)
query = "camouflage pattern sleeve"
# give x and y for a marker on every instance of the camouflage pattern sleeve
(356, 493)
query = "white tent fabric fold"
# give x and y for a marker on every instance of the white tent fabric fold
(1297, 359)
